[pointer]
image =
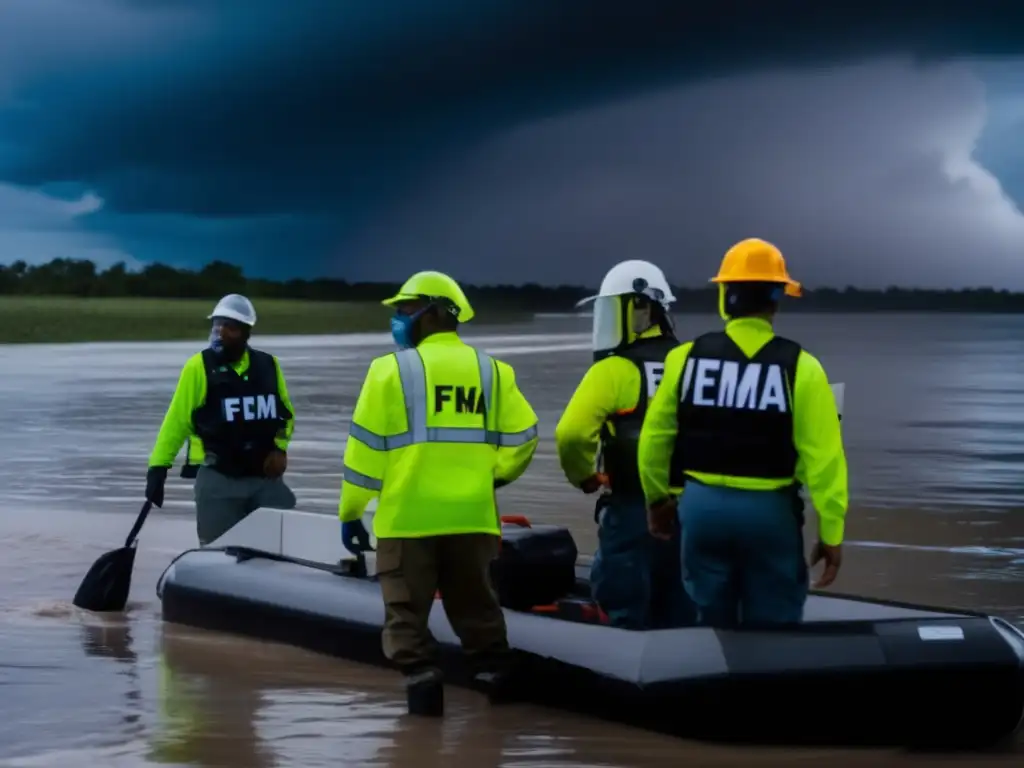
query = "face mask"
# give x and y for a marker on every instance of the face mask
(227, 353)
(215, 343)
(402, 326)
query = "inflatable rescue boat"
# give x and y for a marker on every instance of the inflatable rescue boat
(858, 670)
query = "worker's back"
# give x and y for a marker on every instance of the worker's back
(439, 478)
(438, 426)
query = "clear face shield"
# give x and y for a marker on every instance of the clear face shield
(609, 329)
(619, 320)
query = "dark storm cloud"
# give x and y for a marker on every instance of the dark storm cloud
(863, 175)
(291, 126)
(1000, 146)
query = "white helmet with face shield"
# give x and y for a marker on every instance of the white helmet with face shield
(623, 305)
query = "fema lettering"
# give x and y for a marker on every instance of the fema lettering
(251, 408)
(729, 384)
(653, 374)
(465, 399)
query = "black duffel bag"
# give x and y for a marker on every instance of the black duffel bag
(536, 566)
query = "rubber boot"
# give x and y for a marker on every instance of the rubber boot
(498, 686)
(425, 694)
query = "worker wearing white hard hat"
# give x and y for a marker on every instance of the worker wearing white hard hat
(634, 577)
(232, 407)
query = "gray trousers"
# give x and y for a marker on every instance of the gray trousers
(222, 501)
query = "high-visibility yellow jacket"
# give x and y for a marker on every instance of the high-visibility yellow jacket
(434, 431)
(610, 386)
(189, 395)
(817, 434)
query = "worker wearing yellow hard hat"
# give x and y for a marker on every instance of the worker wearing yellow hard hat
(744, 417)
(634, 577)
(438, 426)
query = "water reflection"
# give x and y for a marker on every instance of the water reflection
(113, 640)
(203, 718)
(233, 703)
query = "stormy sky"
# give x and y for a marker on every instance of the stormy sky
(515, 141)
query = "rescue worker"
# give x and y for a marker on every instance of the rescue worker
(438, 426)
(743, 417)
(232, 404)
(635, 578)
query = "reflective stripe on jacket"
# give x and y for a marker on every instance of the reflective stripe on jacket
(435, 429)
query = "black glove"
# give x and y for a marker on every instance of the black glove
(155, 479)
(355, 537)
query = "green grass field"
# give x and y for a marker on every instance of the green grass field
(45, 319)
(48, 319)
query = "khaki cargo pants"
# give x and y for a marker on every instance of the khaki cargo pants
(410, 571)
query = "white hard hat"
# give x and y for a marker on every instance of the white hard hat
(634, 276)
(235, 306)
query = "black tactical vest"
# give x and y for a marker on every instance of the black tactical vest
(241, 416)
(735, 413)
(619, 444)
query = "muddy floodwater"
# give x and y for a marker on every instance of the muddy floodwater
(934, 430)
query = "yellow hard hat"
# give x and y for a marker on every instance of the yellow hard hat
(756, 261)
(433, 285)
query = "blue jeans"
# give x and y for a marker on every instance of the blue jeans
(743, 556)
(635, 578)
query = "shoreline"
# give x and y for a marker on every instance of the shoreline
(26, 320)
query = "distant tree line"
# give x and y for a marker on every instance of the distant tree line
(79, 277)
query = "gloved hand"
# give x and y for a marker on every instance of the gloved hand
(155, 479)
(355, 537)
